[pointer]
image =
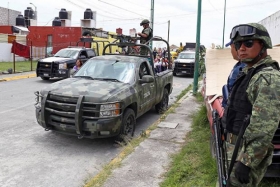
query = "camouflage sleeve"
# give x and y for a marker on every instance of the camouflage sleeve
(263, 92)
(147, 31)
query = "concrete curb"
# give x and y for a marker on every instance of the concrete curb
(18, 77)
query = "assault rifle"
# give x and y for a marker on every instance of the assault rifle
(220, 151)
(221, 155)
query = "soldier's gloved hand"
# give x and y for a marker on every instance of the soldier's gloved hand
(242, 173)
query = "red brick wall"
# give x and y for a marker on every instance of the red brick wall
(61, 36)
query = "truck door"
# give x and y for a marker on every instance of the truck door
(83, 56)
(147, 90)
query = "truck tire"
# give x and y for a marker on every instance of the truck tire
(45, 78)
(163, 104)
(127, 127)
(69, 73)
(174, 73)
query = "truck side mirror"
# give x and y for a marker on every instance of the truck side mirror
(147, 79)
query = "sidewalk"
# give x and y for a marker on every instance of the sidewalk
(16, 76)
(146, 166)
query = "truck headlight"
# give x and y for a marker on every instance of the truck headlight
(62, 66)
(112, 109)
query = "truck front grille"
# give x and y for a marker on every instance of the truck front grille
(69, 110)
(61, 109)
(185, 66)
(46, 67)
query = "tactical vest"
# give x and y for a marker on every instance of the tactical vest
(239, 106)
(144, 40)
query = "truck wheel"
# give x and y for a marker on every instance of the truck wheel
(128, 126)
(174, 73)
(45, 78)
(163, 104)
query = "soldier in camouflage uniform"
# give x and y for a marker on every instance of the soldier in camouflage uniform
(255, 93)
(145, 35)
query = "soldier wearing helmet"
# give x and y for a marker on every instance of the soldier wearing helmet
(254, 96)
(145, 35)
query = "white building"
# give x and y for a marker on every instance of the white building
(272, 24)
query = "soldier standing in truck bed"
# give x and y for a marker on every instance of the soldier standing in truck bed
(145, 35)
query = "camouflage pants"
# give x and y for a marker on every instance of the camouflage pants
(255, 175)
(143, 51)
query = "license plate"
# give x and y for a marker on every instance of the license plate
(184, 71)
(45, 74)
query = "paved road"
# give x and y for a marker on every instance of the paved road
(30, 156)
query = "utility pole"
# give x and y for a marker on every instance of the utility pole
(197, 47)
(224, 23)
(168, 30)
(152, 20)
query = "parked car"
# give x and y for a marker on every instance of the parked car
(185, 63)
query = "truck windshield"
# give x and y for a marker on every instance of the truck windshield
(67, 53)
(108, 70)
(186, 56)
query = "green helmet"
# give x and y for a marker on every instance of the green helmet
(251, 31)
(145, 21)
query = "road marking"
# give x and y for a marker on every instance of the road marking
(18, 77)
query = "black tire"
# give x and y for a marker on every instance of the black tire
(212, 146)
(45, 78)
(69, 73)
(128, 126)
(174, 73)
(163, 104)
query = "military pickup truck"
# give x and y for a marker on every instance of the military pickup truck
(106, 96)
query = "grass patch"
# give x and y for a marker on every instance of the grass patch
(106, 171)
(193, 165)
(183, 93)
(22, 66)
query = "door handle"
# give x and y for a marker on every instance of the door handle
(152, 85)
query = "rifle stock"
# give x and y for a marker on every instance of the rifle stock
(219, 148)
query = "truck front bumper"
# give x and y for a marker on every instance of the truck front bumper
(62, 73)
(87, 128)
(185, 68)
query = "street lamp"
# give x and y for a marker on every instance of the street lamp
(35, 11)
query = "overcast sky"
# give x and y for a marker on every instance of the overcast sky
(127, 14)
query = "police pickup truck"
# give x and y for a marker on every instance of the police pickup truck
(106, 96)
(62, 62)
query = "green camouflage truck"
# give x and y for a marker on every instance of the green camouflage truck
(105, 97)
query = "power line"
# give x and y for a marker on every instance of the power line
(121, 8)
(98, 8)
(137, 4)
(213, 6)
(85, 8)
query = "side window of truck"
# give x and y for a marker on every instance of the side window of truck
(83, 54)
(143, 70)
(91, 53)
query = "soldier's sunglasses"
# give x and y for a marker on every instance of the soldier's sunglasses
(246, 30)
(246, 43)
